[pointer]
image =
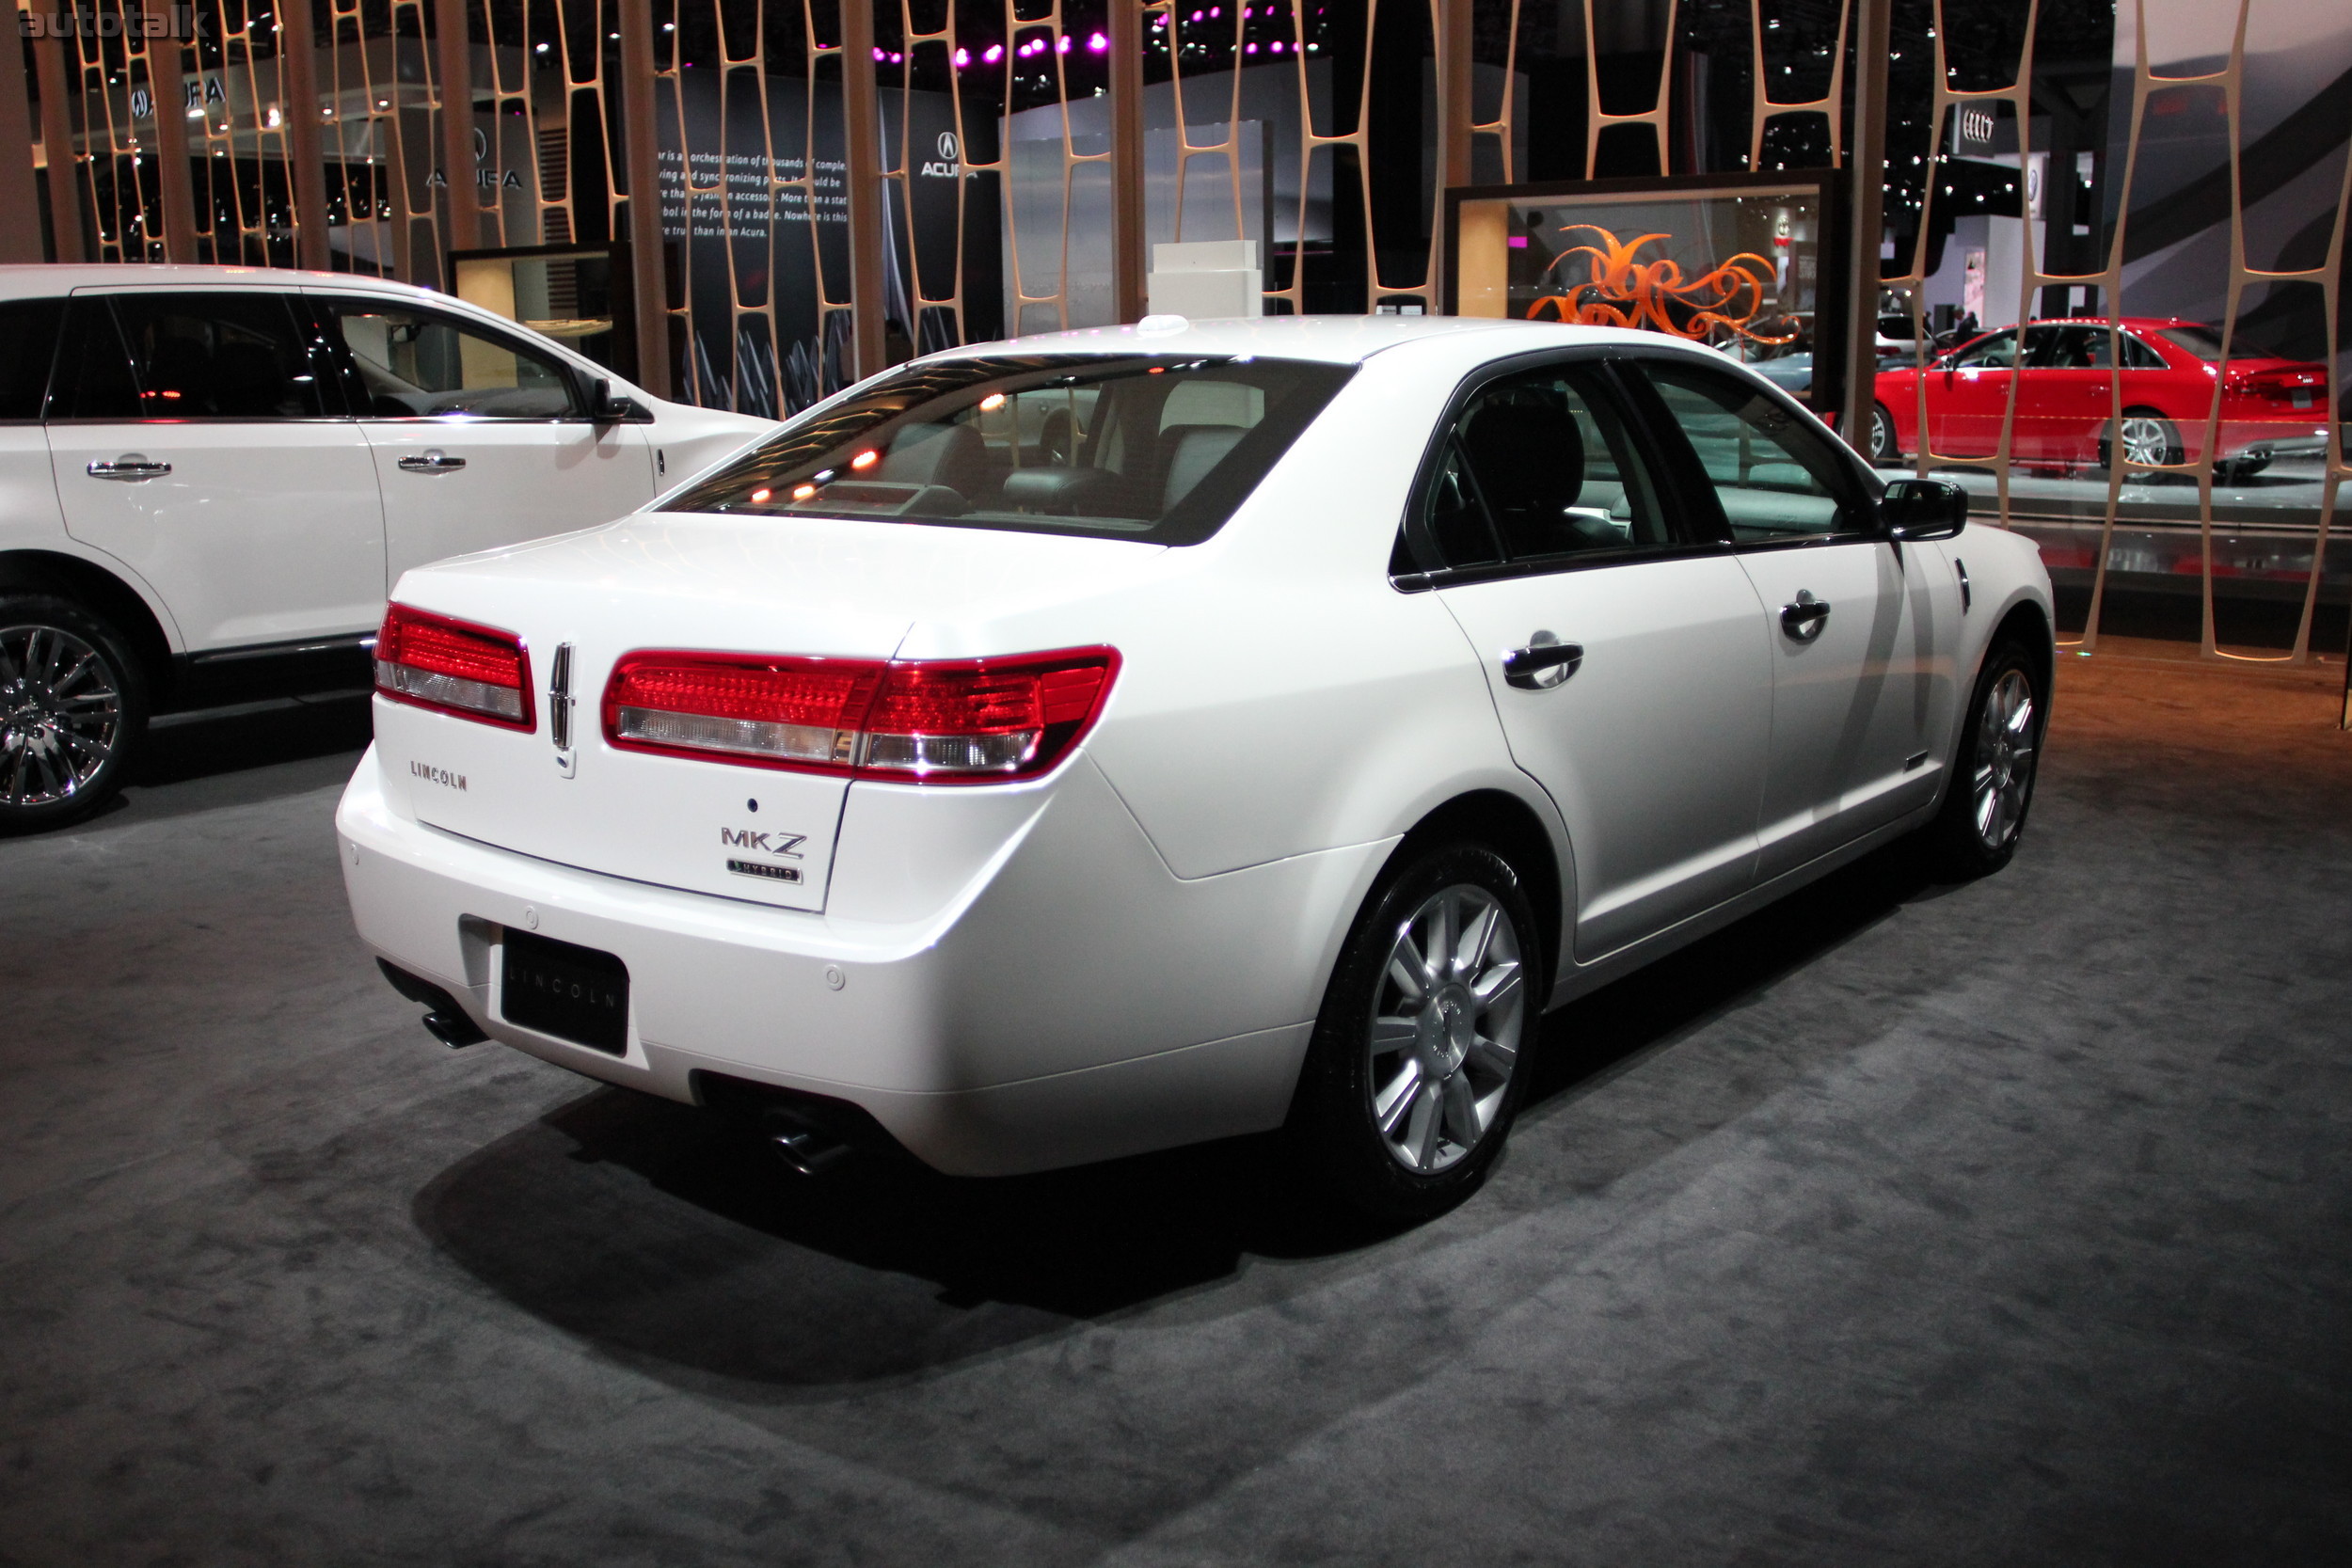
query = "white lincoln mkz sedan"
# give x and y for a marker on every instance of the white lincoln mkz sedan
(1060, 750)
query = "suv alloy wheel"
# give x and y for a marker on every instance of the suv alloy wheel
(73, 710)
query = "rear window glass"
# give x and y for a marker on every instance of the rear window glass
(1157, 449)
(2201, 342)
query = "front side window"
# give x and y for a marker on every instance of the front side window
(1774, 478)
(209, 356)
(411, 365)
(1537, 468)
(1996, 353)
(1155, 449)
(2068, 348)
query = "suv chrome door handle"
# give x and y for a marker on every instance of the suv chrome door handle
(130, 465)
(434, 462)
(1543, 664)
(1804, 620)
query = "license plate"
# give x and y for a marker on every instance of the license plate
(2302, 397)
(575, 993)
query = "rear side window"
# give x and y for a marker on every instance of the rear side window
(28, 341)
(410, 365)
(1161, 449)
(208, 356)
(1537, 466)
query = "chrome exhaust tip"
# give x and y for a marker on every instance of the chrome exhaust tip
(454, 1029)
(807, 1150)
(446, 1021)
(809, 1133)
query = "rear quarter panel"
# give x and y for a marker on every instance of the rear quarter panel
(1279, 696)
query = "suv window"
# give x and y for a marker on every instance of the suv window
(215, 355)
(1159, 449)
(28, 341)
(1537, 466)
(1774, 478)
(415, 365)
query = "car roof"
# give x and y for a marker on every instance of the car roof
(49, 278)
(2148, 321)
(1333, 340)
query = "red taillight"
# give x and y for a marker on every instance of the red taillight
(2304, 388)
(454, 667)
(783, 712)
(929, 721)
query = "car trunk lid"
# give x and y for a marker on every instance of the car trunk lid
(807, 588)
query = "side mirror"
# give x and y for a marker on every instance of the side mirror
(605, 406)
(1923, 509)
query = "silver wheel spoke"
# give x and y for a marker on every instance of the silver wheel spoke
(1390, 1107)
(1461, 1110)
(1476, 940)
(1427, 1126)
(1495, 1056)
(1439, 959)
(1498, 988)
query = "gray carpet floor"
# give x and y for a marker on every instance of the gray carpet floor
(2008, 1222)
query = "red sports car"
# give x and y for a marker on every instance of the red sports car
(2065, 412)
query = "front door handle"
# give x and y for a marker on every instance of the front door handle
(1804, 620)
(1543, 664)
(434, 462)
(131, 466)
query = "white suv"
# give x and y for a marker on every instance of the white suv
(209, 477)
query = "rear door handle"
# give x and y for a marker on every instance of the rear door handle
(1542, 664)
(131, 466)
(434, 462)
(1804, 620)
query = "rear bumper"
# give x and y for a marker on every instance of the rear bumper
(2300, 435)
(1077, 1001)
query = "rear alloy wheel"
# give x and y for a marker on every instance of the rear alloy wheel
(1992, 784)
(71, 709)
(1420, 1055)
(2149, 439)
(1884, 451)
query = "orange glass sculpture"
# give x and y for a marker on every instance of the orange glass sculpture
(1622, 291)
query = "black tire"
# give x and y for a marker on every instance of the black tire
(1421, 1166)
(1969, 839)
(1884, 451)
(72, 711)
